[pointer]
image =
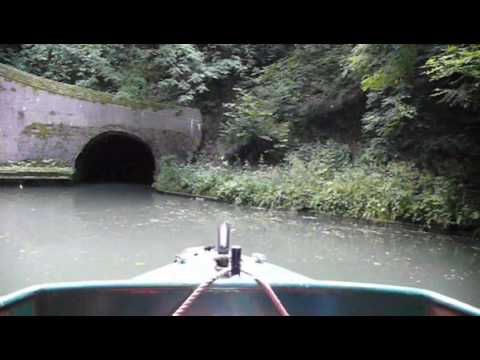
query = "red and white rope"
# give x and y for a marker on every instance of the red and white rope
(271, 294)
(202, 287)
(198, 291)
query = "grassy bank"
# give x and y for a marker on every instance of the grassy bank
(324, 180)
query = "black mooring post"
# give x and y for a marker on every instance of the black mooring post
(236, 258)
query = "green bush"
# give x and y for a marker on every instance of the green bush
(252, 118)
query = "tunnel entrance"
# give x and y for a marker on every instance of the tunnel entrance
(115, 157)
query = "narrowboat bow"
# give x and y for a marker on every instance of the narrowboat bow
(219, 280)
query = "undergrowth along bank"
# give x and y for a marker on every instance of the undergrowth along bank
(323, 179)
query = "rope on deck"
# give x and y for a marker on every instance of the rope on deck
(204, 286)
(271, 294)
(198, 291)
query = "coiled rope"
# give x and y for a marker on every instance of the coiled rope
(204, 286)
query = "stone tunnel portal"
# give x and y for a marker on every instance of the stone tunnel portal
(115, 157)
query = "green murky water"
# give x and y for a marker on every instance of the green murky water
(105, 231)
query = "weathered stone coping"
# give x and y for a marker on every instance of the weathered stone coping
(15, 172)
(78, 92)
(23, 178)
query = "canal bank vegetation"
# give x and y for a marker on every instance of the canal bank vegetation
(322, 179)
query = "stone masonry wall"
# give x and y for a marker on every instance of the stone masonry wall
(44, 119)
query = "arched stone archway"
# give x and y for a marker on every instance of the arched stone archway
(115, 156)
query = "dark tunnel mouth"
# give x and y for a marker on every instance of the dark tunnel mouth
(115, 156)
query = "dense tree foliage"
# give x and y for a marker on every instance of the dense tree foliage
(177, 72)
(457, 68)
(284, 99)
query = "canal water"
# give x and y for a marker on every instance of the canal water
(118, 231)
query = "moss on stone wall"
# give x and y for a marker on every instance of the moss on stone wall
(55, 87)
(44, 131)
